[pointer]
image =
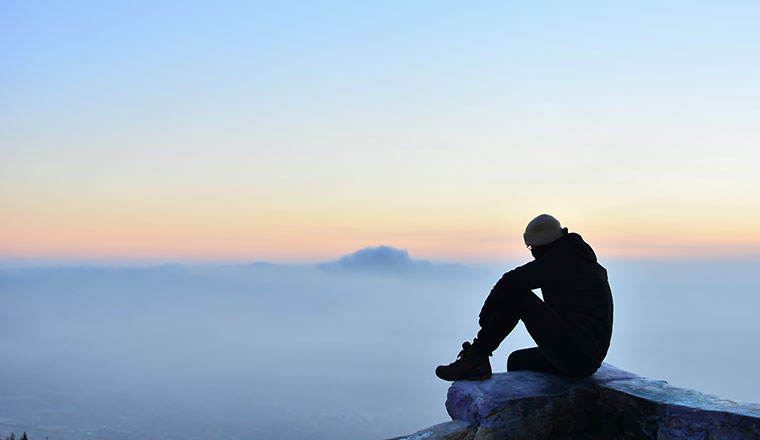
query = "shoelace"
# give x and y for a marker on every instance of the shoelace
(465, 347)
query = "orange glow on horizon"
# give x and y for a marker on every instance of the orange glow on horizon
(225, 230)
(301, 245)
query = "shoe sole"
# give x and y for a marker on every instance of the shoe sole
(469, 379)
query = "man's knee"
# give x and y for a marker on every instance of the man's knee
(512, 302)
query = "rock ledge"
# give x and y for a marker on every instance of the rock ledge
(610, 404)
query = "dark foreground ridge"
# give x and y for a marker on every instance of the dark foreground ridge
(611, 404)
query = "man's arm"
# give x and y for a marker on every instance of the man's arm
(529, 276)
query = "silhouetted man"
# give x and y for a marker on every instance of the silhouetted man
(572, 326)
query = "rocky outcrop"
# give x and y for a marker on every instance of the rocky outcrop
(612, 404)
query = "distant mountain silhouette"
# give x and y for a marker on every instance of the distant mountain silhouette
(377, 259)
(385, 259)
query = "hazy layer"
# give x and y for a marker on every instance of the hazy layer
(339, 351)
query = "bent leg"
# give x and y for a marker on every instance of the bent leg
(557, 342)
(499, 323)
(560, 343)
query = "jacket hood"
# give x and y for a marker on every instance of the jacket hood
(571, 243)
(574, 243)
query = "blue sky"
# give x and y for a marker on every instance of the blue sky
(301, 130)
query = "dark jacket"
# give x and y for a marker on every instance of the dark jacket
(573, 284)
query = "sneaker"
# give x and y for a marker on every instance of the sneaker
(470, 365)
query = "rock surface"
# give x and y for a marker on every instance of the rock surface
(610, 404)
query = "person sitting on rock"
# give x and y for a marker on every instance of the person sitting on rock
(572, 326)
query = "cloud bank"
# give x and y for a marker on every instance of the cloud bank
(384, 259)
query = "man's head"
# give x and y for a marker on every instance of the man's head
(542, 230)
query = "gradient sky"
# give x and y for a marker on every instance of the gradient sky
(295, 131)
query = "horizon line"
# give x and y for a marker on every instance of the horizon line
(115, 262)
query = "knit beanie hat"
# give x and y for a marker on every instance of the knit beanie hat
(542, 230)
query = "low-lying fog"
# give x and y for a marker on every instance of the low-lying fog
(339, 350)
